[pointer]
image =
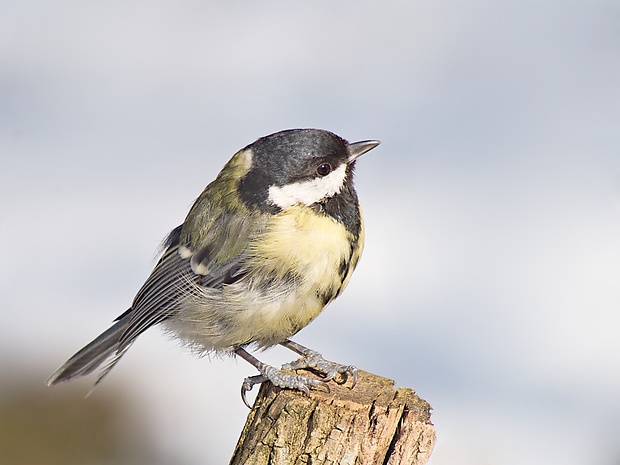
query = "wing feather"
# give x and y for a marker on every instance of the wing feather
(158, 297)
(175, 277)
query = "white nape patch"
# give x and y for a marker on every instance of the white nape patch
(248, 158)
(309, 192)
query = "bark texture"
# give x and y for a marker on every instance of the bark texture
(372, 423)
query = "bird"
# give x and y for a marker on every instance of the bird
(263, 250)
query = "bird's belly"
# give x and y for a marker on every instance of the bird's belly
(240, 316)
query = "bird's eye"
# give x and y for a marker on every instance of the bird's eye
(324, 169)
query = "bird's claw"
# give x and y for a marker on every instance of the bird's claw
(329, 370)
(248, 384)
(280, 379)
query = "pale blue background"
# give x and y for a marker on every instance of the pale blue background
(491, 277)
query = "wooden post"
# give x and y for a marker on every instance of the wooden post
(372, 423)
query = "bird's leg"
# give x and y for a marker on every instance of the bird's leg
(275, 376)
(314, 360)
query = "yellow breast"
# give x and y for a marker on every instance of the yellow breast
(317, 252)
(310, 245)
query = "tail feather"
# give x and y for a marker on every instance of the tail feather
(88, 359)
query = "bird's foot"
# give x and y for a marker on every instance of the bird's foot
(329, 370)
(280, 379)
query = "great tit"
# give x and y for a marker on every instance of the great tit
(264, 248)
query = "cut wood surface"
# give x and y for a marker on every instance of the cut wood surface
(373, 423)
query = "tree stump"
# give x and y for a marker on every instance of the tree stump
(373, 423)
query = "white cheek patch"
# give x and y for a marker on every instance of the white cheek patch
(309, 192)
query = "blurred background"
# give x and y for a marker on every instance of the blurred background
(491, 278)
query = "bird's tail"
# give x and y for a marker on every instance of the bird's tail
(105, 347)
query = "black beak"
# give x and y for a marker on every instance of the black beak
(357, 149)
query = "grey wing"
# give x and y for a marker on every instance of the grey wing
(173, 279)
